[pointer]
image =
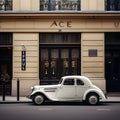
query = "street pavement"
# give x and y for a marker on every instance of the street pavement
(59, 111)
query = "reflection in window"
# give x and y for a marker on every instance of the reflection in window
(5, 5)
(57, 5)
(65, 61)
(75, 57)
(112, 5)
(44, 62)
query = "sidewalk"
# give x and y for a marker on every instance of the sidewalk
(11, 99)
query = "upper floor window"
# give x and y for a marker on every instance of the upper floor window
(5, 5)
(59, 5)
(112, 5)
(5, 38)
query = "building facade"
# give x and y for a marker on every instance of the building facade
(42, 40)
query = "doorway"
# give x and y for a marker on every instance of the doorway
(112, 61)
(59, 57)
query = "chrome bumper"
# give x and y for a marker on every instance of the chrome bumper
(29, 96)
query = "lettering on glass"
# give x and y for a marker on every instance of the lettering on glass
(23, 60)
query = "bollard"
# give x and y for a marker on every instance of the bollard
(18, 90)
(3, 90)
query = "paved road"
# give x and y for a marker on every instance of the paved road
(59, 111)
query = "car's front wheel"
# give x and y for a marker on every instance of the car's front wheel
(92, 99)
(38, 99)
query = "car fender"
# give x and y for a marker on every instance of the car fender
(38, 92)
(47, 96)
(99, 93)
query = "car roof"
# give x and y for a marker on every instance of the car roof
(84, 78)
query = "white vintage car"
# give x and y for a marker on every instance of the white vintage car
(70, 88)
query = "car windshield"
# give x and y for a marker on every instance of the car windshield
(60, 80)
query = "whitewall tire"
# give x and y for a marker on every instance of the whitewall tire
(92, 99)
(38, 99)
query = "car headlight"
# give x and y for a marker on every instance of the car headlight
(32, 88)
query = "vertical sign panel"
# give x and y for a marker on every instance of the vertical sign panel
(23, 60)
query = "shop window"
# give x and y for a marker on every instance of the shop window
(59, 56)
(58, 5)
(112, 5)
(5, 5)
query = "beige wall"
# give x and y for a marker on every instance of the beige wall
(93, 67)
(26, 5)
(30, 76)
(44, 25)
(92, 4)
(26, 32)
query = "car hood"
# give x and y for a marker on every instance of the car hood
(46, 86)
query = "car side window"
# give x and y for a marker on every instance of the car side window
(69, 82)
(80, 82)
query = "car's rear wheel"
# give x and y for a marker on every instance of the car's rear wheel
(38, 99)
(92, 99)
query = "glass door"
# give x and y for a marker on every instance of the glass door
(70, 61)
(113, 71)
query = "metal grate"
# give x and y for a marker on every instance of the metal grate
(112, 5)
(59, 5)
(5, 5)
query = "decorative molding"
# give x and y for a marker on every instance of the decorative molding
(117, 23)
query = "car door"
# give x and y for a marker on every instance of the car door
(80, 88)
(67, 90)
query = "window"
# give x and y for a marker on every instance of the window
(112, 5)
(58, 38)
(69, 82)
(5, 38)
(80, 82)
(57, 5)
(5, 5)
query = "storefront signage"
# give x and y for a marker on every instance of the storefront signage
(23, 60)
(61, 24)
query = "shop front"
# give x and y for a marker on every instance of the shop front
(41, 48)
(59, 56)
